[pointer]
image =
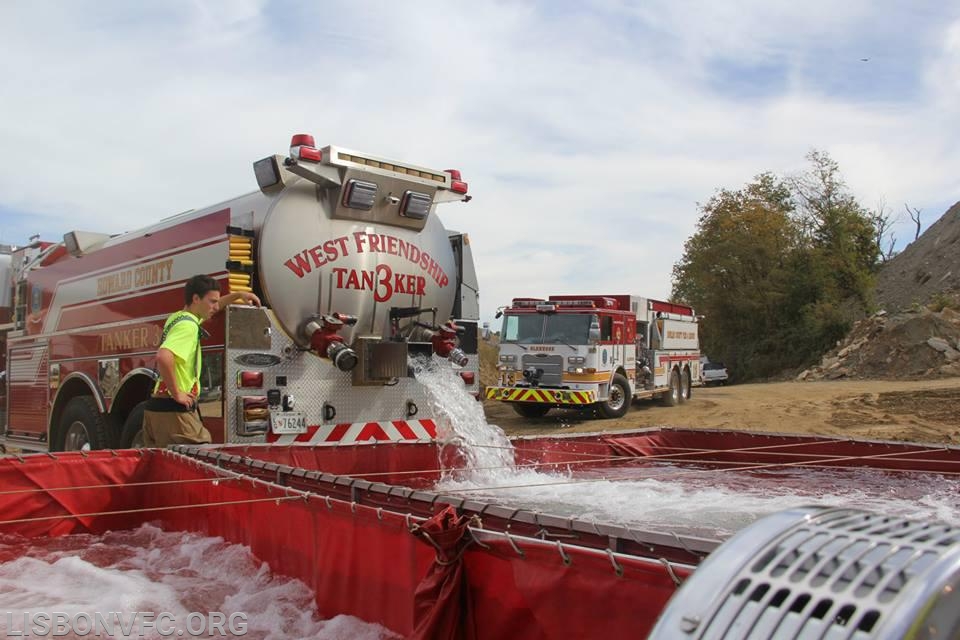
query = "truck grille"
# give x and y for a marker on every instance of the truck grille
(551, 365)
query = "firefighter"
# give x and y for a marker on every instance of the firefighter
(656, 332)
(643, 374)
(171, 415)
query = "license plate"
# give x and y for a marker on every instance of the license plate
(288, 422)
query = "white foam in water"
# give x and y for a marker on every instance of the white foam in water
(151, 570)
(485, 448)
(713, 504)
(662, 497)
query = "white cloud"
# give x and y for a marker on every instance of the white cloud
(588, 132)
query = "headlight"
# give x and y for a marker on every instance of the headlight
(576, 359)
(508, 358)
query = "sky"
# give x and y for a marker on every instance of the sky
(588, 131)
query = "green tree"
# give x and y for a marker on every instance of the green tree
(776, 267)
(732, 270)
(839, 232)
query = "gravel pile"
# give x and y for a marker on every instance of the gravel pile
(916, 344)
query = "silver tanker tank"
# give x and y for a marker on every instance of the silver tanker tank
(350, 255)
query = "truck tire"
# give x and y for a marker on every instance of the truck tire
(83, 427)
(132, 435)
(686, 388)
(672, 397)
(529, 410)
(618, 400)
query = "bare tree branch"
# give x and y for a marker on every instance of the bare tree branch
(882, 221)
(915, 216)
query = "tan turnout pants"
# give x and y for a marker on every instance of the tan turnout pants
(162, 428)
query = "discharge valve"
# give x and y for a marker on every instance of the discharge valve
(444, 340)
(322, 331)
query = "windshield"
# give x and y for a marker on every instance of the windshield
(525, 329)
(551, 328)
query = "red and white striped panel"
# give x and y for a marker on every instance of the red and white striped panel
(361, 431)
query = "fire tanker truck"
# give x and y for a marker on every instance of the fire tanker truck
(595, 352)
(6, 309)
(357, 275)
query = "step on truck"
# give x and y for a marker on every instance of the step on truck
(357, 275)
(595, 352)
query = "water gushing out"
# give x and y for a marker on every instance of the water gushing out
(483, 449)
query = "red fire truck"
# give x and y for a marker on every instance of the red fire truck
(6, 312)
(357, 275)
(598, 351)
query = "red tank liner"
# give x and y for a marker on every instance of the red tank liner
(358, 560)
(351, 540)
(375, 493)
(742, 447)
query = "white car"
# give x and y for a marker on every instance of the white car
(713, 373)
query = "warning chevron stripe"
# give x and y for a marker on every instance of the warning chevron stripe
(543, 396)
(395, 431)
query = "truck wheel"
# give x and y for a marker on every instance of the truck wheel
(672, 397)
(132, 435)
(531, 410)
(618, 401)
(685, 387)
(83, 427)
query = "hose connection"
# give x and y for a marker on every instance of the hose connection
(322, 331)
(444, 341)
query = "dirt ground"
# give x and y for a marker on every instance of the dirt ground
(917, 410)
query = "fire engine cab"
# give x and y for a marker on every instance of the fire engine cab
(357, 275)
(595, 351)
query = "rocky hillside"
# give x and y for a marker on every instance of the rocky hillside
(909, 345)
(926, 270)
(916, 334)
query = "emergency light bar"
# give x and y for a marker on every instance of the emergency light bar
(269, 172)
(522, 303)
(389, 166)
(597, 302)
(347, 158)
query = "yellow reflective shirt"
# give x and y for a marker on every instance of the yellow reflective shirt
(183, 340)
